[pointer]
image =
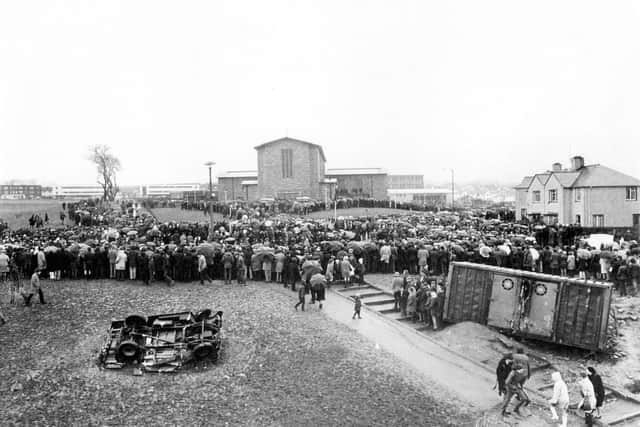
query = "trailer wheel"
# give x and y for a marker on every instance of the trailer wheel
(203, 350)
(128, 350)
(135, 321)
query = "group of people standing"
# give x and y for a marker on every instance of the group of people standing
(514, 371)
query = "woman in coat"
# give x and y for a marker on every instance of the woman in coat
(588, 402)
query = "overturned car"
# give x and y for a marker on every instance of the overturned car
(162, 343)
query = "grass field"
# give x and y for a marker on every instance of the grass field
(17, 212)
(179, 215)
(361, 212)
(277, 366)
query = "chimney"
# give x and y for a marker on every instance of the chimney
(577, 163)
(556, 167)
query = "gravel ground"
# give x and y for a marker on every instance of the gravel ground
(277, 367)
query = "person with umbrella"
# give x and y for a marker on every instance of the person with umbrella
(318, 282)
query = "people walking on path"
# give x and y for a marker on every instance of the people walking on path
(560, 400)
(32, 288)
(588, 402)
(357, 306)
(301, 297)
(598, 389)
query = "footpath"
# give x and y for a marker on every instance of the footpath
(432, 363)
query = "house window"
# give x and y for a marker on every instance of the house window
(632, 193)
(578, 193)
(287, 162)
(536, 197)
(598, 220)
(553, 196)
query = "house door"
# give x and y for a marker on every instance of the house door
(540, 309)
(503, 303)
(636, 223)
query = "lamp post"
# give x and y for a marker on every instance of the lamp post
(210, 165)
(452, 188)
(452, 191)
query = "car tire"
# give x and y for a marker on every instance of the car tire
(203, 315)
(135, 321)
(128, 351)
(203, 350)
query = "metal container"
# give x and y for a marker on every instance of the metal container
(550, 308)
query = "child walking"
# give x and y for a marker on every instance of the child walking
(357, 306)
(301, 294)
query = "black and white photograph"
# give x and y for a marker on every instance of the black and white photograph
(320, 213)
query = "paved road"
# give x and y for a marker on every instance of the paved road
(470, 382)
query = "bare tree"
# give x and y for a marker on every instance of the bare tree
(108, 165)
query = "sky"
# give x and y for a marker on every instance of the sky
(492, 89)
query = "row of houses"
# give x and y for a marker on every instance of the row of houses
(588, 195)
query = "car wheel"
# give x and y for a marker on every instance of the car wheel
(203, 315)
(203, 350)
(135, 321)
(128, 350)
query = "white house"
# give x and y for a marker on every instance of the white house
(589, 195)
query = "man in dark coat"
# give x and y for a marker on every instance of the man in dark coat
(598, 388)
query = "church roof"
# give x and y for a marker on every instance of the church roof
(319, 147)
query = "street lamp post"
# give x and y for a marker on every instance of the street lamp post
(452, 191)
(210, 198)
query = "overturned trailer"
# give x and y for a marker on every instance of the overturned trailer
(550, 308)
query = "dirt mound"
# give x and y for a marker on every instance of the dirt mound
(476, 341)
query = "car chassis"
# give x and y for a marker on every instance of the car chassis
(162, 343)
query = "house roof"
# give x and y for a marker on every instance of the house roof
(602, 176)
(526, 182)
(319, 147)
(355, 171)
(587, 176)
(239, 174)
(566, 178)
(543, 177)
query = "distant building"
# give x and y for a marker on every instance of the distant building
(20, 191)
(78, 191)
(401, 182)
(167, 190)
(289, 168)
(360, 182)
(421, 196)
(238, 185)
(590, 195)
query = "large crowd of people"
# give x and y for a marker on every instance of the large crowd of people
(126, 243)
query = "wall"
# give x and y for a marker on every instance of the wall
(400, 182)
(233, 187)
(609, 201)
(521, 202)
(308, 171)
